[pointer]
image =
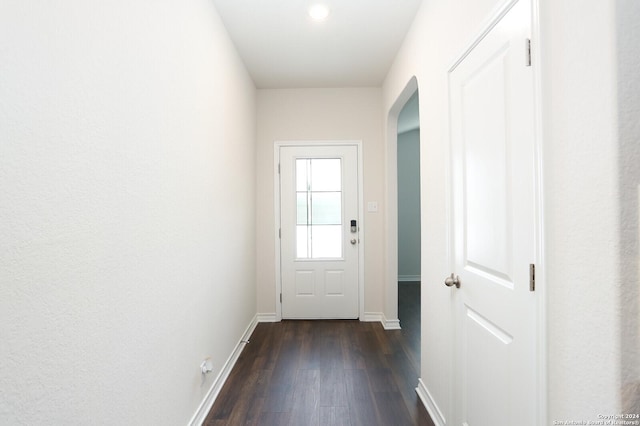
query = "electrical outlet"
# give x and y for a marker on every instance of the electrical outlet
(206, 366)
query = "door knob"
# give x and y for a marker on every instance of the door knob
(452, 280)
(353, 241)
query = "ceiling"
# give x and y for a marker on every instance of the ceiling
(283, 47)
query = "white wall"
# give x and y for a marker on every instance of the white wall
(409, 205)
(127, 195)
(319, 114)
(582, 201)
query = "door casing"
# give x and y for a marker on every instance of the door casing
(390, 310)
(276, 203)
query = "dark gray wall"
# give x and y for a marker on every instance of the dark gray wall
(409, 205)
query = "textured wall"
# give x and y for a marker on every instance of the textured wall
(319, 114)
(582, 202)
(126, 209)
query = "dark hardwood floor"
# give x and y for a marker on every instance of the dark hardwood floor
(409, 315)
(324, 373)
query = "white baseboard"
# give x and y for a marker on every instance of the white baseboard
(430, 404)
(391, 324)
(388, 324)
(372, 317)
(205, 406)
(267, 317)
(409, 278)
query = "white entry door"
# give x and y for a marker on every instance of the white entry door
(319, 246)
(494, 225)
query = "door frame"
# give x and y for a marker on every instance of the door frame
(541, 284)
(277, 219)
(390, 311)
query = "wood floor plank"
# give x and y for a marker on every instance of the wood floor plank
(392, 409)
(254, 414)
(382, 380)
(419, 414)
(249, 405)
(310, 341)
(265, 345)
(352, 353)
(409, 314)
(280, 395)
(273, 419)
(247, 411)
(372, 353)
(362, 405)
(335, 416)
(306, 396)
(234, 394)
(329, 347)
(333, 388)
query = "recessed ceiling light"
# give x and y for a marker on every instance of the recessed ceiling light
(319, 12)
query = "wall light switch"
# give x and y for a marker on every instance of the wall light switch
(372, 206)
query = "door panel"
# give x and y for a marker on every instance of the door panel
(493, 176)
(334, 283)
(486, 404)
(486, 178)
(305, 283)
(319, 252)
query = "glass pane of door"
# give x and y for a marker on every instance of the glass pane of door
(319, 208)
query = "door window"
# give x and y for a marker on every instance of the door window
(319, 208)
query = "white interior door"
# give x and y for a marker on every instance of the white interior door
(318, 246)
(493, 244)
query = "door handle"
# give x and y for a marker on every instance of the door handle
(452, 280)
(353, 241)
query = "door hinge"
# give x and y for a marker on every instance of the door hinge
(278, 168)
(532, 277)
(280, 233)
(280, 297)
(527, 52)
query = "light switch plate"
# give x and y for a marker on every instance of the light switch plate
(372, 206)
